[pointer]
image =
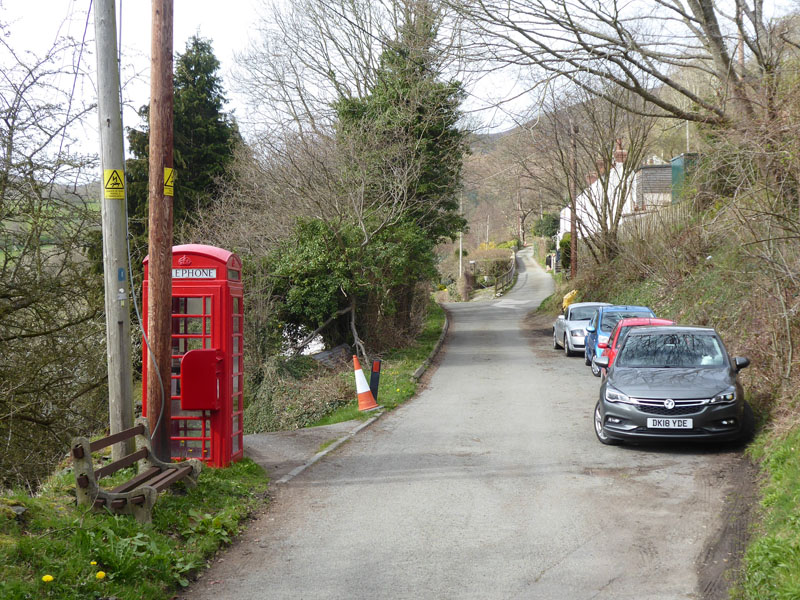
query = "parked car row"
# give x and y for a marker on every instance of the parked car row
(660, 380)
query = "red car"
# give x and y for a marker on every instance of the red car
(622, 330)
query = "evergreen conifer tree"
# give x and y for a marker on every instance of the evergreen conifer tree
(204, 139)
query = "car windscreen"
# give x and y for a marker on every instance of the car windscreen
(610, 319)
(622, 335)
(680, 350)
(582, 313)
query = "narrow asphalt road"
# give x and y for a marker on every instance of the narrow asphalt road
(490, 484)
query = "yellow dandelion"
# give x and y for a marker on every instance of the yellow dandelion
(101, 575)
(398, 389)
(94, 562)
(47, 578)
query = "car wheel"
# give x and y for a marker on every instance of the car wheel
(567, 351)
(555, 340)
(595, 368)
(748, 424)
(586, 360)
(598, 428)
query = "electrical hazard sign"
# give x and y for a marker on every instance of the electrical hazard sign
(169, 181)
(113, 184)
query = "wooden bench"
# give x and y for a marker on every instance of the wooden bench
(138, 495)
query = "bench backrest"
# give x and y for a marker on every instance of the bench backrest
(125, 461)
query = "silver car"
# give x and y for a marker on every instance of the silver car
(568, 329)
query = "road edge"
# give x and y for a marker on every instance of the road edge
(314, 459)
(439, 343)
(416, 375)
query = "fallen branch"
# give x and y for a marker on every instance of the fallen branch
(310, 337)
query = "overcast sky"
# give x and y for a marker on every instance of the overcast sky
(35, 24)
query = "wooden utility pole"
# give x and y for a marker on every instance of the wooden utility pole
(159, 304)
(112, 211)
(573, 219)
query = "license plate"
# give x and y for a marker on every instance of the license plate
(668, 423)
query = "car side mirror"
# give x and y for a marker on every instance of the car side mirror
(602, 345)
(561, 317)
(590, 328)
(741, 362)
(601, 361)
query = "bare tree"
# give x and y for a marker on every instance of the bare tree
(592, 146)
(52, 365)
(339, 144)
(650, 50)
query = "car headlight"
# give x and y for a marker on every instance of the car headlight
(613, 395)
(577, 333)
(725, 397)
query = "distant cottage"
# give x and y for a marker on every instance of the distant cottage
(651, 187)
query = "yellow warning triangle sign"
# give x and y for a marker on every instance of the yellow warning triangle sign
(113, 184)
(169, 181)
(115, 181)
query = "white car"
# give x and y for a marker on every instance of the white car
(568, 329)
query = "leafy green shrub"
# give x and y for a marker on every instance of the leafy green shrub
(546, 226)
(564, 247)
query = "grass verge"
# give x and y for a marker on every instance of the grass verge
(397, 384)
(55, 549)
(772, 559)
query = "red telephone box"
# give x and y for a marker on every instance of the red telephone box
(207, 370)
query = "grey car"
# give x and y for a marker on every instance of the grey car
(568, 329)
(672, 383)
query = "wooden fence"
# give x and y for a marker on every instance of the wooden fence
(647, 224)
(506, 280)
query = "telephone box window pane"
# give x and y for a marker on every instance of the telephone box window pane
(194, 343)
(176, 387)
(208, 306)
(235, 384)
(233, 274)
(182, 345)
(235, 364)
(194, 306)
(236, 325)
(189, 326)
(208, 327)
(176, 366)
(235, 448)
(178, 305)
(237, 305)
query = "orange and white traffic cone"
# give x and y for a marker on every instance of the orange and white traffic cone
(365, 399)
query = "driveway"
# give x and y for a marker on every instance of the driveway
(491, 484)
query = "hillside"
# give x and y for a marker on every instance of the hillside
(699, 272)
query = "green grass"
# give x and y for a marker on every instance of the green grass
(551, 305)
(141, 562)
(396, 384)
(772, 559)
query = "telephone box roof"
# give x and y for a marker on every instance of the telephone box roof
(220, 254)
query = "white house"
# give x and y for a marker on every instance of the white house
(647, 188)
